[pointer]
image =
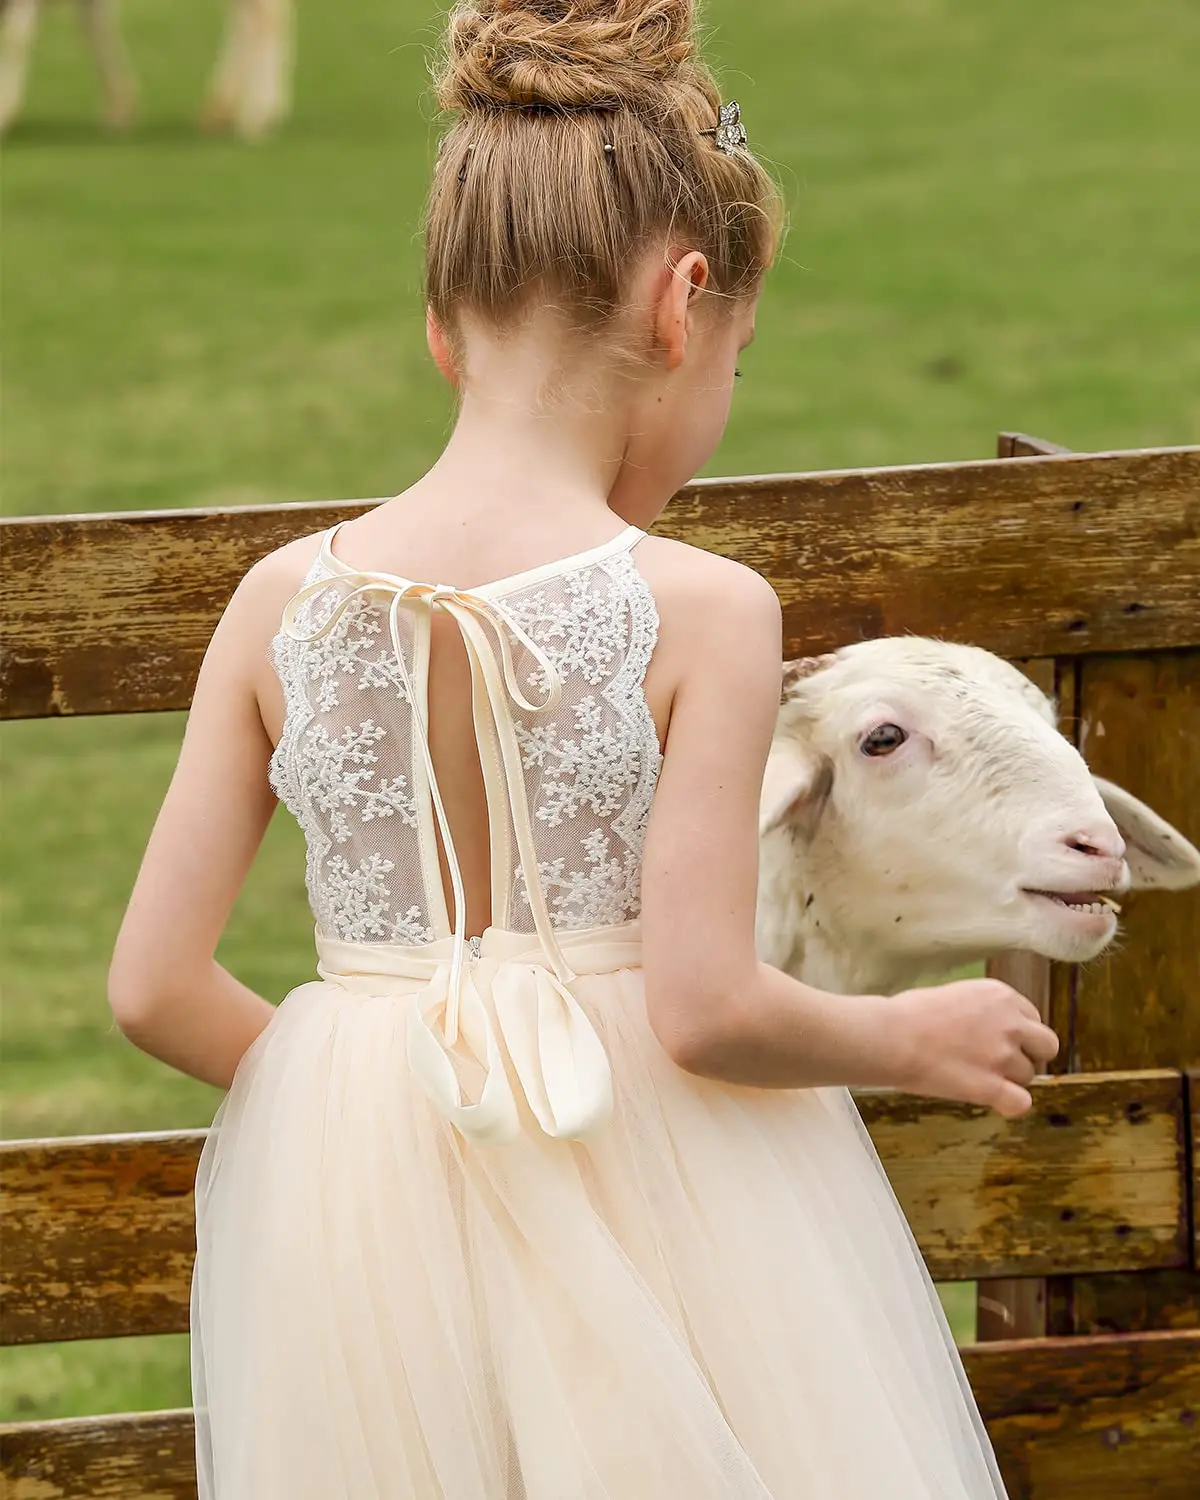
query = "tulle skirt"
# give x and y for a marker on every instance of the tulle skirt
(714, 1297)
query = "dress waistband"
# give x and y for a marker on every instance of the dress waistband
(511, 1006)
(592, 950)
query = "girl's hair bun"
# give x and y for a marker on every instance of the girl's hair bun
(585, 135)
(566, 54)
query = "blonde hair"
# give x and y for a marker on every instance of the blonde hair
(578, 145)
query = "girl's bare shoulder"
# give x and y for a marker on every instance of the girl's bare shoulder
(700, 585)
(252, 617)
(269, 583)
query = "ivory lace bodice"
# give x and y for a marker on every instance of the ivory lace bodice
(352, 768)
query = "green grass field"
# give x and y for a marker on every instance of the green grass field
(994, 225)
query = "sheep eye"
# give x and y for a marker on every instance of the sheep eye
(883, 739)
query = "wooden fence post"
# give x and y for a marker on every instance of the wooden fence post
(1137, 719)
(1138, 1006)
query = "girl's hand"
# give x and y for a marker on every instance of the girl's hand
(976, 1041)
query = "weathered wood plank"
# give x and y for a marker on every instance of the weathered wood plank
(1072, 1419)
(1109, 1418)
(140, 1456)
(1152, 1299)
(1082, 1183)
(100, 1233)
(1137, 1006)
(1192, 1103)
(1029, 557)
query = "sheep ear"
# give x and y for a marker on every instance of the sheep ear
(795, 672)
(795, 785)
(1159, 856)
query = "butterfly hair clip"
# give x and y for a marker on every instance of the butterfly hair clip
(730, 133)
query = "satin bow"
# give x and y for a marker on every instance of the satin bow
(560, 1062)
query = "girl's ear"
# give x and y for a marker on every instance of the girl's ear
(686, 278)
(439, 347)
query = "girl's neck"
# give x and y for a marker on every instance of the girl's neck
(506, 450)
(542, 431)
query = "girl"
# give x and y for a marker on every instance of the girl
(546, 1188)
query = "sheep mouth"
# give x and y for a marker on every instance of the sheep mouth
(1081, 903)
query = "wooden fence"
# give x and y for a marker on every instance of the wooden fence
(1080, 1221)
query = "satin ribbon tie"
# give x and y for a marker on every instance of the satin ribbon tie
(558, 1059)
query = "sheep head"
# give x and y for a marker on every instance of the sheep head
(920, 810)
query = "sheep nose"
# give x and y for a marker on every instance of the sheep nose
(1098, 842)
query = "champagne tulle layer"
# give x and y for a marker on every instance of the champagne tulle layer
(717, 1298)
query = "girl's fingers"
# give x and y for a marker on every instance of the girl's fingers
(1023, 1069)
(1012, 1101)
(1039, 1042)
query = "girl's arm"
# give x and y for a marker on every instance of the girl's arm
(716, 1009)
(167, 993)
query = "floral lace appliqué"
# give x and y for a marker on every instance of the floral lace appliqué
(328, 770)
(603, 894)
(592, 770)
(337, 773)
(344, 655)
(576, 623)
(347, 758)
(360, 903)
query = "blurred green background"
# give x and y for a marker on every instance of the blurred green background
(995, 212)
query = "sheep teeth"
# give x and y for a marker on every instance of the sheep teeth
(1095, 908)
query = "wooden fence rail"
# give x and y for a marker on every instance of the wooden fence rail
(100, 1231)
(1063, 555)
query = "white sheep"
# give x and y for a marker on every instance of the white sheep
(921, 811)
(251, 85)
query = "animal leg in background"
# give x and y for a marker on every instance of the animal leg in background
(251, 86)
(100, 25)
(18, 22)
